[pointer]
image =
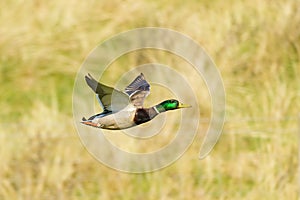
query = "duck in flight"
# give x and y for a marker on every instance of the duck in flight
(123, 110)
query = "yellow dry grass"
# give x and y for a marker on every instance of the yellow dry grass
(255, 44)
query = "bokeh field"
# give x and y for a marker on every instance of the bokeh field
(256, 46)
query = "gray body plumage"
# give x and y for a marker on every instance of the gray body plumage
(119, 120)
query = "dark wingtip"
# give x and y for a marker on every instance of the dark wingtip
(88, 77)
(92, 83)
(142, 75)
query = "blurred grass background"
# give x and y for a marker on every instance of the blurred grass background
(255, 44)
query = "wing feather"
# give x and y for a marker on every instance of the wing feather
(138, 90)
(105, 93)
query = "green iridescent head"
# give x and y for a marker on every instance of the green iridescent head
(170, 104)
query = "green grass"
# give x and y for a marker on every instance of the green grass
(255, 44)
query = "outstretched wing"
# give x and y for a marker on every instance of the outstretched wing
(105, 93)
(138, 90)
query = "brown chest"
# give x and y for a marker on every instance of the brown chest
(143, 115)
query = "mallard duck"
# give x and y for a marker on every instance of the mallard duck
(128, 110)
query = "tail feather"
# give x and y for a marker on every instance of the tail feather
(90, 123)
